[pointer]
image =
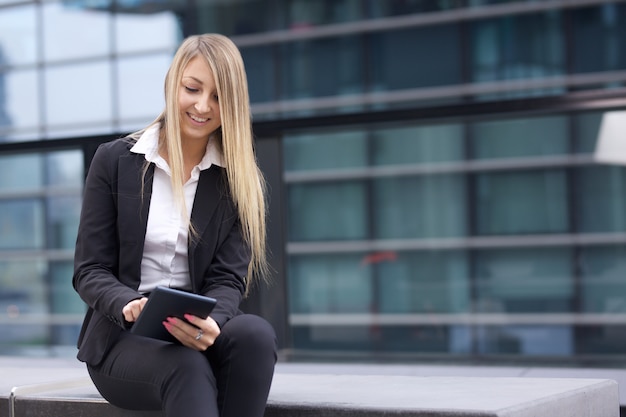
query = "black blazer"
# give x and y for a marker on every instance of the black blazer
(109, 247)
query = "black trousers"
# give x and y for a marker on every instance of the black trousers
(231, 379)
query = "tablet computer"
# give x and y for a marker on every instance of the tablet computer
(166, 302)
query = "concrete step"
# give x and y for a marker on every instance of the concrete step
(332, 391)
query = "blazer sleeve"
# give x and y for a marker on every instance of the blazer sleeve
(96, 259)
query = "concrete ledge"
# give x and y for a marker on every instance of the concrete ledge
(65, 391)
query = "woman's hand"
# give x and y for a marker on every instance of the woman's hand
(131, 310)
(198, 335)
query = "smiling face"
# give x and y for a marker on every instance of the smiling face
(198, 102)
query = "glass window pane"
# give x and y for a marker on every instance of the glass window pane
(418, 144)
(310, 206)
(62, 24)
(79, 94)
(599, 36)
(306, 13)
(603, 288)
(524, 46)
(18, 35)
(420, 207)
(601, 199)
(158, 31)
(387, 8)
(21, 224)
(21, 172)
(423, 282)
(64, 301)
(397, 58)
(324, 67)
(237, 17)
(65, 169)
(142, 77)
(62, 221)
(534, 280)
(520, 137)
(329, 284)
(21, 103)
(512, 203)
(318, 151)
(586, 128)
(533, 340)
(261, 73)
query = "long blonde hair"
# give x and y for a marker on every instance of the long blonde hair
(245, 180)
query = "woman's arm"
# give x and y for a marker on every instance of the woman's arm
(96, 258)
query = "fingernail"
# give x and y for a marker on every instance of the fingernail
(166, 325)
(188, 317)
(170, 320)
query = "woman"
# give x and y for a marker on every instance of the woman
(179, 204)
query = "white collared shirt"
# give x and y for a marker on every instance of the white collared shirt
(165, 257)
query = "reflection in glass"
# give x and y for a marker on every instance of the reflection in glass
(533, 340)
(429, 206)
(330, 284)
(334, 211)
(140, 89)
(320, 150)
(22, 293)
(18, 26)
(21, 224)
(21, 172)
(418, 144)
(520, 137)
(62, 23)
(605, 184)
(398, 58)
(22, 98)
(586, 129)
(324, 67)
(65, 169)
(158, 31)
(79, 94)
(62, 221)
(533, 280)
(602, 279)
(517, 203)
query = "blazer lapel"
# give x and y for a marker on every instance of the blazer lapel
(208, 194)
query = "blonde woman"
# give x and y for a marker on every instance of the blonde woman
(179, 204)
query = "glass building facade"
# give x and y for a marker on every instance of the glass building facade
(435, 191)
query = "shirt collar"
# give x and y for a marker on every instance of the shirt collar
(148, 144)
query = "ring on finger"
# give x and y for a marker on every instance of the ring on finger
(199, 335)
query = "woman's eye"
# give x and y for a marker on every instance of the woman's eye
(216, 98)
(191, 89)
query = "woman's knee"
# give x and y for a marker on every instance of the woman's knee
(250, 331)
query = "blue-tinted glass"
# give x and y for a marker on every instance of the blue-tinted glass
(236, 17)
(397, 58)
(86, 89)
(143, 77)
(21, 172)
(62, 23)
(158, 31)
(21, 224)
(530, 340)
(599, 36)
(64, 301)
(600, 193)
(62, 221)
(19, 107)
(408, 145)
(387, 8)
(422, 282)
(65, 169)
(329, 284)
(586, 129)
(603, 288)
(319, 151)
(323, 67)
(534, 280)
(303, 14)
(520, 137)
(18, 31)
(333, 211)
(521, 202)
(524, 46)
(426, 206)
(261, 72)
